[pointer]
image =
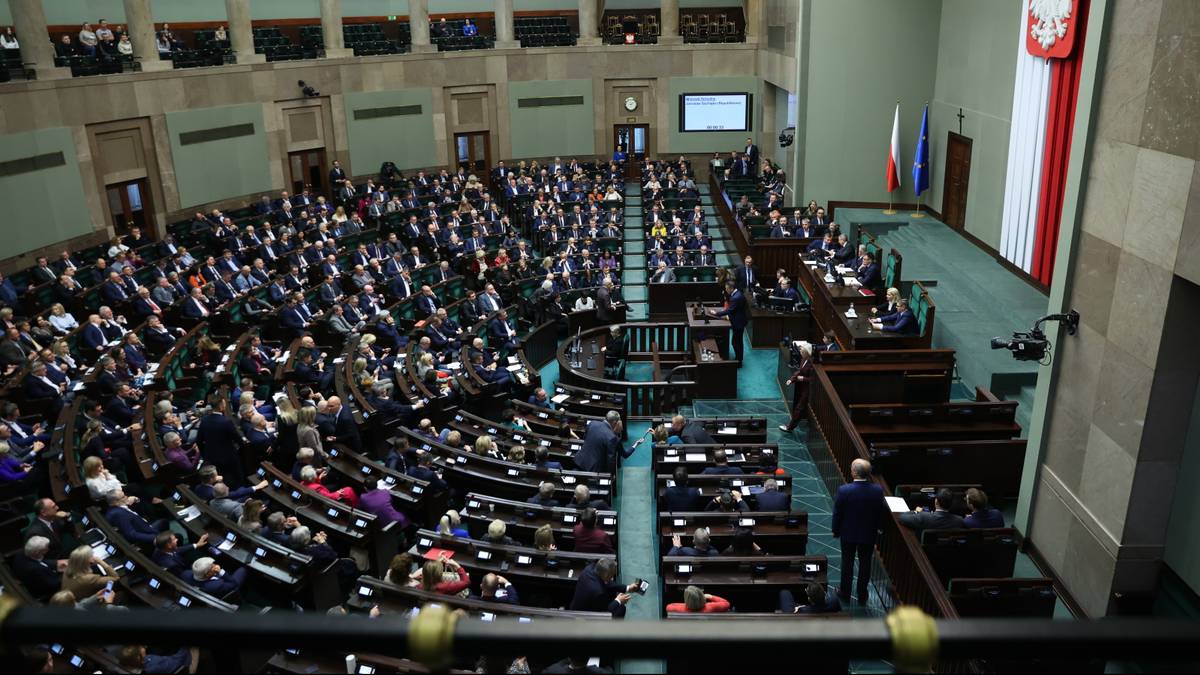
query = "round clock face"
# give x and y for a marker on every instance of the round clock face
(631, 103)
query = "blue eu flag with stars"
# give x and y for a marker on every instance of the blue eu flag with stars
(920, 171)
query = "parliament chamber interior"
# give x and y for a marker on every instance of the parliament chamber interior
(638, 336)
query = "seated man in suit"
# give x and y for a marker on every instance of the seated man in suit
(844, 252)
(701, 544)
(663, 275)
(501, 332)
(680, 497)
(982, 515)
(901, 321)
(491, 373)
(41, 577)
(772, 498)
(817, 600)
(423, 470)
(939, 518)
(868, 272)
(495, 588)
(824, 246)
(205, 574)
(131, 525)
(545, 496)
(721, 468)
(171, 556)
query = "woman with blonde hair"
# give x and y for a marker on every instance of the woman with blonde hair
(252, 511)
(100, 483)
(485, 446)
(451, 524)
(444, 576)
(339, 215)
(307, 434)
(893, 296)
(61, 320)
(86, 574)
(286, 419)
(516, 454)
(543, 538)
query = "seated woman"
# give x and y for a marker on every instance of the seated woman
(61, 320)
(443, 576)
(696, 601)
(87, 575)
(311, 479)
(451, 524)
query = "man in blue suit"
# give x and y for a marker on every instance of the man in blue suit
(738, 313)
(601, 445)
(900, 321)
(131, 525)
(170, 555)
(868, 272)
(772, 498)
(502, 334)
(206, 575)
(858, 510)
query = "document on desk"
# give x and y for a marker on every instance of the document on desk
(728, 431)
(897, 504)
(514, 367)
(696, 457)
(560, 398)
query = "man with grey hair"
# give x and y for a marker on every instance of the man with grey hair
(41, 577)
(598, 590)
(222, 504)
(701, 544)
(583, 499)
(545, 495)
(131, 525)
(772, 498)
(208, 576)
(602, 444)
(858, 510)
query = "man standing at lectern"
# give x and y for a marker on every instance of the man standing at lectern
(736, 309)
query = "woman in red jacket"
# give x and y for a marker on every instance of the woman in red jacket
(434, 576)
(312, 480)
(696, 601)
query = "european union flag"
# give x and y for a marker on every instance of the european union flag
(920, 171)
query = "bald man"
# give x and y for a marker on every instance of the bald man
(858, 510)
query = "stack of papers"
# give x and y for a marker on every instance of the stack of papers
(560, 398)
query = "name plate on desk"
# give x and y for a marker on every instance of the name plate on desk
(696, 457)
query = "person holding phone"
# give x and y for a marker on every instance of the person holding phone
(598, 590)
(86, 574)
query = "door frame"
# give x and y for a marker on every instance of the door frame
(632, 167)
(147, 209)
(952, 139)
(487, 150)
(321, 164)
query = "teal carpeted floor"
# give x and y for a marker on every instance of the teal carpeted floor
(976, 299)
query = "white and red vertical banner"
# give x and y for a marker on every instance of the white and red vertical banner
(1043, 115)
(893, 161)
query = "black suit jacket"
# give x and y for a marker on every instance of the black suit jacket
(593, 595)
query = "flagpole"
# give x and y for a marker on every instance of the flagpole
(891, 210)
(917, 213)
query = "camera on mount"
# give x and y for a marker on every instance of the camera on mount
(786, 138)
(1033, 345)
(308, 90)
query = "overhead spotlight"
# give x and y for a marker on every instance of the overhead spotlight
(307, 90)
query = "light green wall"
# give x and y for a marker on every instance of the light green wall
(556, 129)
(710, 141)
(863, 56)
(406, 140)
(222, 169)
(977, 60)
(46, 206)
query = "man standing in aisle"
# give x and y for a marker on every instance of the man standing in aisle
(858, 510)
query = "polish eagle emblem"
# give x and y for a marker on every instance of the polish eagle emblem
(1051, 24)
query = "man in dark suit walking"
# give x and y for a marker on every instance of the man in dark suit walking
(739, 315)
(218, 441)
(601, 445)
(858, 510)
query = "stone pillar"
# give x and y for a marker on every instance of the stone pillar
(141, 34)
(503, 16)
(418, 26)
(331, 30)
(241, 37)
(754, 21)
(29, 22)
(669, 21)
(589, 24)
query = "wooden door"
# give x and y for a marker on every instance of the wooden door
(129, 206)
(958, 174)
(635, 140)
(306, 169)
(472, 151)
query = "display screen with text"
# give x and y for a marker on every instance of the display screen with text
(714, 112)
